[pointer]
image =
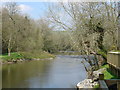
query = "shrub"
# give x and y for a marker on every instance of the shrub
(103, 54)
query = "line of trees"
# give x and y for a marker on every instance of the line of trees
(20, 33)
(84, 27)
(94, 25)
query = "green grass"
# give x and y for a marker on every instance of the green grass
(107, 73)
(105, 66)
(11, 57)
(96, 86)
(37, 55)
(115, 50)
(26, 55)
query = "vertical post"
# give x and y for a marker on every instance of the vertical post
(118, 85)
(103, 85)
(101, 76)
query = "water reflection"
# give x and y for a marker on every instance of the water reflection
(62, 72)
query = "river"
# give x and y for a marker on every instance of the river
(62, 72)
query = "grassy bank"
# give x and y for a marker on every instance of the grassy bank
(25, 56)
(97, 86)
(107, 73)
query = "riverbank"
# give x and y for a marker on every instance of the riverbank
(16, 57)
(93, 82)
(68, 53)
(107, 73)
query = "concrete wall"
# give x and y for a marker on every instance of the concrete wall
(113, 58)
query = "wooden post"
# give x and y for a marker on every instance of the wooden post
(118, 72)
(118, 85)
(101, 76)
(102, 83)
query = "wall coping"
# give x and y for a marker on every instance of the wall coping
(113, 52)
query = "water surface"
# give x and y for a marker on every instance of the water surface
(62, 72)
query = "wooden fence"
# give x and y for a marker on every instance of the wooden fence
(113, 59)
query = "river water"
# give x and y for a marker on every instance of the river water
(62, 72)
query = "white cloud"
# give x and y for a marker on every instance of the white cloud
(25, 8)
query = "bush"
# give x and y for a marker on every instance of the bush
(103, 54)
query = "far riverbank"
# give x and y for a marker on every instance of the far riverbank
(17, 57)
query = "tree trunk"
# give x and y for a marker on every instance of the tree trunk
(9, 51)
(9, 46)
